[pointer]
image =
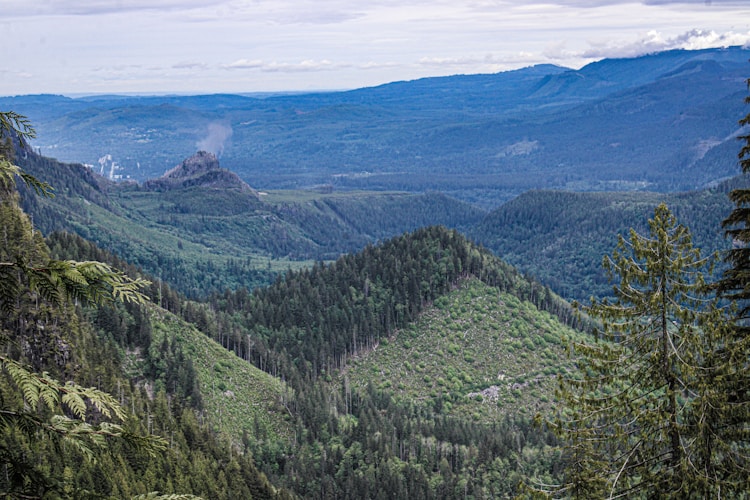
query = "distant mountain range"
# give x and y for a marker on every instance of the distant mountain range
(662, 122)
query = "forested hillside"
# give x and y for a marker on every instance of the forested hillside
(349, 439)
(560, 237)
(203, 240)
(318, 328)
(363, 439)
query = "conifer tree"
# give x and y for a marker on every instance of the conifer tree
(731, 435)
(735, 283)
(628, 414)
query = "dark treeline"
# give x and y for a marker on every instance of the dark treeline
(560, 236)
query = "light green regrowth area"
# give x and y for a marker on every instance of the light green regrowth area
(237, 397)
(476, 351)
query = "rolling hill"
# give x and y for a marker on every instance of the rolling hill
(561, 237)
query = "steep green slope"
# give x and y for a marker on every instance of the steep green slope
(174, 354)
(237, 397)
(322, 316)
(477, 351)
(561, 237)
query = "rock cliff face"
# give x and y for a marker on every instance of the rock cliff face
(200, 170)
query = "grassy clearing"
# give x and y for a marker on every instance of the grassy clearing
(476, 351)
(237, 396)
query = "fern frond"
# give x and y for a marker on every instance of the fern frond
(25, 422)
(15, 123)
(44, 281)
(75, 403)
(49, 391)
(41, 188)
(30, 384)
(145, 444)
(9, 288)
(103, 279)
(8, 173)
(104, 402)
(155, 495)
(82, 436)
(87, 281)
(41, 387)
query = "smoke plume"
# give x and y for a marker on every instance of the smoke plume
(216, 138)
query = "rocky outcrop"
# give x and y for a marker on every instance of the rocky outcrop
(200, 170)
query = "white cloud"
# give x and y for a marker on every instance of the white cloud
(654, 41)
(591, 4)
(23, 8)
(244, 64)
(190, 65)
(275, 66)
(373, 65)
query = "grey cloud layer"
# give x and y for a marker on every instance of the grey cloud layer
(303, 11)
(242, 45)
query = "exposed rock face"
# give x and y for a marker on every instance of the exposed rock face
(202, 170)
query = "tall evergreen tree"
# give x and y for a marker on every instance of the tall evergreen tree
(735, 283)
(731, 434)
(628, 413)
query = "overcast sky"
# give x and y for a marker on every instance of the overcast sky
(199, 46)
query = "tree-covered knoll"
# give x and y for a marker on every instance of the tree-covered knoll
(349, 440)
(354, 441)
(320, 317)
(313, 325)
